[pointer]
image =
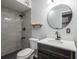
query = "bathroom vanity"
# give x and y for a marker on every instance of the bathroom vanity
(58, 17)
(54, 50)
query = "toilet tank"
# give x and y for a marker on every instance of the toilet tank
(33, 43)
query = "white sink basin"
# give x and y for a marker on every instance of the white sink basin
(55, 41)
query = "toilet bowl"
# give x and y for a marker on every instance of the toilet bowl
(28, 53)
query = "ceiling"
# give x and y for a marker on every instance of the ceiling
(13, 4)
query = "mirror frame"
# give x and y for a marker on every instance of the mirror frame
(67, 24)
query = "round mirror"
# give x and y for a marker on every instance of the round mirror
(59, 16)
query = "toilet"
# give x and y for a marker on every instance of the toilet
(28, 53)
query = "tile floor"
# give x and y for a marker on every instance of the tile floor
(10, 56)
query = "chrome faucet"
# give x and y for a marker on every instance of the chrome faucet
(57, 36)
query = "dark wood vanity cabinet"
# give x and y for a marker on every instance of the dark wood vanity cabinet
(49, 52)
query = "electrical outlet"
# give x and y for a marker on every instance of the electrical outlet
(68, 30)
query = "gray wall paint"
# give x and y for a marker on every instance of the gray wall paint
(10, 31)
(40, 9)
(27, 24)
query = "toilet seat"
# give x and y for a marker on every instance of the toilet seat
(25, 53)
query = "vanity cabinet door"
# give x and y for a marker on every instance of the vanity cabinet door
(43, 56)
(57, 57)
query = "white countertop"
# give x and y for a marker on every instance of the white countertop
(68, 45)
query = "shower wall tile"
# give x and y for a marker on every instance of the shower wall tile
(27, 24)
(10, 31)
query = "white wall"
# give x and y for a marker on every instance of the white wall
(40, 9)
(10, 31)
